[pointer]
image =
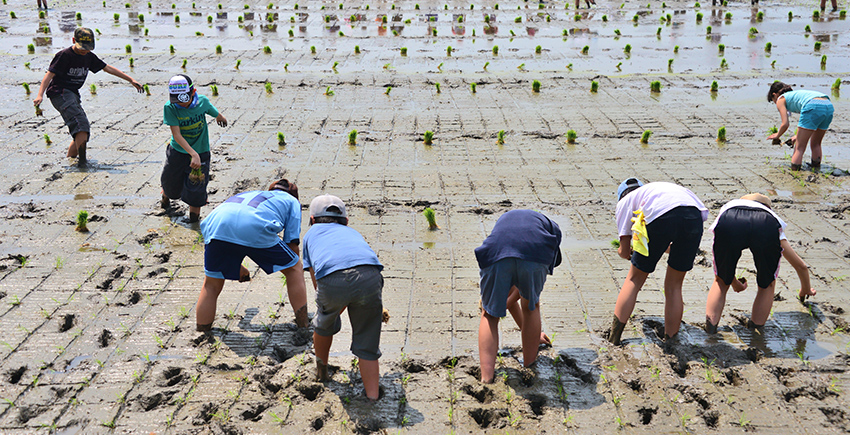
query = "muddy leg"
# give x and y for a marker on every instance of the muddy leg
(803, 136)
(673, 304)
(322, 347)
(817, 151)
(297, 291)
(530, 333)
(763, 304)
(616, 331)
(714, 304)
(370, 373)
(488, 346)
(628, 293)
(205, 310)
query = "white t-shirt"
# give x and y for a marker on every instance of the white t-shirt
(751, 204)
(654, 199)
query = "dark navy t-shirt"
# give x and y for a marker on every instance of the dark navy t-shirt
(524, 234)
(71, 70)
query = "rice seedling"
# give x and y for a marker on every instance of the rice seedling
(714, 86)
(82, 221)
(816, 14)
(723, 63)
(357, 49)
(214, 90)
(644, 138)
(616, 32)
(790, 16)
(655, 86)
(627, 49)
(268, 87)
(823, 61)
(760, 16)
(728, 16)
(177, 18)
(209, 19)
(585, 49)
(767, 47)
(594, 86)
(753, 31)
(837, 84)
(185, 61)
(635, 19)
(438, 87)
(218, 49)
(808, 28)
(147, 90)
(132, 62)
(721, 48)
(291, 33)
(570, 66)
(267, 50)
(817, 45)
(428, 137)
(708, 30)
(434, 32)
(500, 137)
(79, 16)
(38, 111)
(486, 64)
(699, 17)
(473, 87)
(171, 49)
(669, 63)
(333, 67)
(30, 48)
(387, 92)
(577, 17)
(449, 51)
(47, 140)
(518, 19)
(495, 50)
(773, 64)
(352, 137)
(842, 14)
(669, 19)
(658, 32)
(605, 18)
(431, 217)
(676, 49)
(571, 136)
(238, 62)
(404, 51)
(538, 49)
(93, 89)
(535, 86)
(619, 64)
(26, 87)
(721, 134)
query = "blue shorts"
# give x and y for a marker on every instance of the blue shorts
(816, 115)
(498, 278)
(222, 260)
(681, 230)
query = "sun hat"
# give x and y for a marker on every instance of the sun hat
(327, 205)
(758, 197)
(84, 38)
(626, 184)
(180, 89)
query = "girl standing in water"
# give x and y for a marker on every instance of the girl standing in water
(815, 111)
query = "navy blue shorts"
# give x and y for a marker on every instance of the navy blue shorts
(498, 278)
(681, 230)
(741, 228)
(222, 260)
(175, 177)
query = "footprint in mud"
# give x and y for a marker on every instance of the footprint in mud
(369, 425)
(412, 366)
(488, 417)
(148, 238)
(711, 418)
(27, 413)
(157, 271)
(15, 375)
(152, 401)
(104, 338)
(537, 403)
(646, 414)
(311, 391)
(481, 393)
(171, 376)
(67, 322)
(254, 412)
(163, 257)
(133, 298)
(205, 414)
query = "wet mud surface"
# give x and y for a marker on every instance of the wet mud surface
(98, 327)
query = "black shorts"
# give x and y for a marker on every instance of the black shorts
(740, 228)
(67, 103)
(681, 230)
(175, 177)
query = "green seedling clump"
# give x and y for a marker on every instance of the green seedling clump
(594, 86)
(627, 49)
(714, 86)
(473, 87)
(538, 49)
(39, 112)
(437, 85)
(816, 14)
(185, 61)
(699, 17)
(267, 50)
(644, 138)
(30, 48)
(571, 136)
(823, 61)
(269, 89)
(281, 139)
(721, 134)
(753, 31)
(238, 62)
(767, 47)
(669, 63)
(352, 137)
(171, 49)
(817, 45)
(357, 49)
(708, 30)
(132, 62)
(389, 89)
(500, 137)
(404, 51)
(428, 137)
(635, 18)
(605, 18)
(218, 49)
(209, 19)
(486, 64)
(47, 139)
(495, 50)
(721, 48)
(760, 16)
(837, 84)
(214, 90)
(585, 49)
(291, 33)
(676, 49)
(128, 48)
(26, 87)
(79, 16)
(449, 51)
(615, 243)
(728, 16)
(724, 64)
(431, 217)
(147, 90)
(82, 221)
(655, 86)
(535, 86)
(93, 89)
(116, 17)
(616, 32)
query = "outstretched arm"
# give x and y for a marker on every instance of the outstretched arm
(783, 113)
(625, 249)
(802, 269)
(45, 82)
(120, 74)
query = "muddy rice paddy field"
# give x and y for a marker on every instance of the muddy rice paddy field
(98, 328)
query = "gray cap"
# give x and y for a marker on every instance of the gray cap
(327, 205)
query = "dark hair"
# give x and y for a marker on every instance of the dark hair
(628, 191)
(284, 185)
(330, 220)
(776, 89)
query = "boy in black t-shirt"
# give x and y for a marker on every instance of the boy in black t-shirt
(65, 76)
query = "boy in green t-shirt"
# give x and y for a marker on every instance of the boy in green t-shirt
(187, 158)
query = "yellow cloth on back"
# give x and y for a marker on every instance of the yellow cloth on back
(640, 238)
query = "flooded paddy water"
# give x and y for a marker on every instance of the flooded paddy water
(98, 328)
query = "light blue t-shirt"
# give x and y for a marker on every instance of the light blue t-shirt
(192, 122)
(795, 100)
(254, 219)
(332, 247)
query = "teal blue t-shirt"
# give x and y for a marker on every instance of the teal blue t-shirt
(192, 122)
(332, 247)
(795, 100)
(254, 219)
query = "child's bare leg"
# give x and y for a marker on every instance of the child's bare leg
(516, 313)
(530, 333)
(763, 304)
(77, 143)
(488, 346)
(817, 151)
(322, 348)
(628, 293)
(803, 136)
(715, 303)
(673, 303)
(296, 289)
(205, 309)
(578, 4)
(194, 214)
(370, 373)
